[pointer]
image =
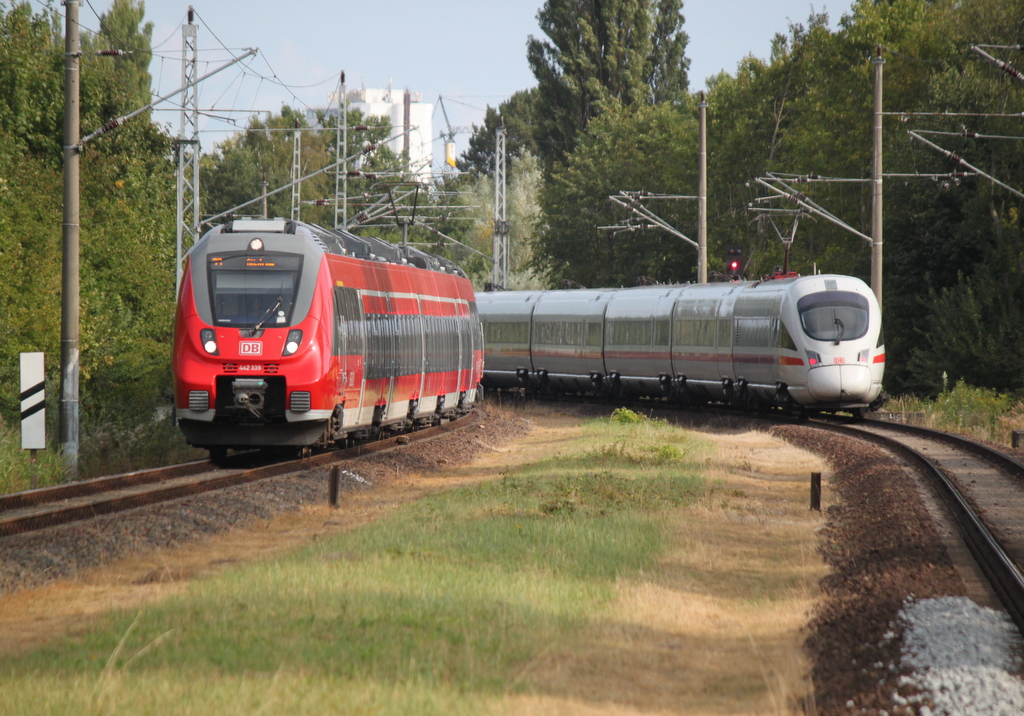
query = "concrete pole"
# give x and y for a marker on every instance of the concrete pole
(702, 192)
(344, 177)
(876, 184)
(69, 244)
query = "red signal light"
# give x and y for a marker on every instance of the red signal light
(733, 262)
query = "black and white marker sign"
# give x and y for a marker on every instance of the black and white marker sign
(33, 402)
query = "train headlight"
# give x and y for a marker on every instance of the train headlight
(209, 340)
(813, 358)
(293, 342)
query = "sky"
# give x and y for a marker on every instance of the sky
(470, 52)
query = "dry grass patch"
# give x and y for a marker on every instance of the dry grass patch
(717, 628)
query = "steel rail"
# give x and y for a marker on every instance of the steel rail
(43, 495)
(994, 456)
(1003, 574)
(61, 514)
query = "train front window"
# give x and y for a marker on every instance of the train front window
(246, 290)
(834, 315)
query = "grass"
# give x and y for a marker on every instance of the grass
(17, 472)
(441, 607)
(103, 450)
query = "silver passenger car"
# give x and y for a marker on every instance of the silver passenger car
(812, 342)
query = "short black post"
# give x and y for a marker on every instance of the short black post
(332, 497)
(816, 491)
(1015, 436)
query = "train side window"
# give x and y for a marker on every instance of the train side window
(630, 333)
(506, 332)
(785, 339)
(348, 310)
(705, 333)
(402, 322)
(474, 329)
(594, 335)
(724, 336)
(686, 332)
(661, 333)
(754, 332)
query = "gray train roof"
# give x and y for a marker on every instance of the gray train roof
(343, 243)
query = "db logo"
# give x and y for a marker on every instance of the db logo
(250, 348)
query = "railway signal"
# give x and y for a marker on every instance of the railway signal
(734, 262)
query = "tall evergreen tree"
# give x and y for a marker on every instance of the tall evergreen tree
(631, 51)
(518, 115)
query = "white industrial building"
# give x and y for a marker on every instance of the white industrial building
(405, 110)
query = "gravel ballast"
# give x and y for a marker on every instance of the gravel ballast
(893, 633)
(962, 658)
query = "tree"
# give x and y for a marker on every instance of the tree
(630, 51)
(518, 115)
(233, 173)
(650, 148)
(127, 250)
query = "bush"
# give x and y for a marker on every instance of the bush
(626, 416)
(980, 413)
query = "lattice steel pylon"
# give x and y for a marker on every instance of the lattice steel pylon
(296, 173)
(340, 158)
(501, 224)
(187, 145)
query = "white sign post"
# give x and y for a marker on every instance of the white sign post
(33, 403)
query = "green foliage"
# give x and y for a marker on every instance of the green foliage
(31, 83)
(976, 412)
(233, 173)
(965, 407)
(127, 217)
(17, 472)
(624, 51)
(518, 115)
(626, 148)
(626, 416)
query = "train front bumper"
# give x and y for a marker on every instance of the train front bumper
(840, 384)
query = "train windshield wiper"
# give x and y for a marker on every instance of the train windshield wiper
(839, 325)
(270, 311)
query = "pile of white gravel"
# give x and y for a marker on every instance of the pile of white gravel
(959, 659)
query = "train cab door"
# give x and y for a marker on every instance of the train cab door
(349, 347)
(340, 347)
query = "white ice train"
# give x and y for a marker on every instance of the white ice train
(803, 344)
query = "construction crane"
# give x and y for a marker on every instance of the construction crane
(449, 135)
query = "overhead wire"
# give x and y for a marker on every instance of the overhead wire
(274, 78)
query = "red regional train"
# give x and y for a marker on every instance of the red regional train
(291, 335)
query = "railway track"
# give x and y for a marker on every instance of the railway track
(46, 507)
(982, 488)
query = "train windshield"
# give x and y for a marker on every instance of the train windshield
(834, 315)
(246, 290)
